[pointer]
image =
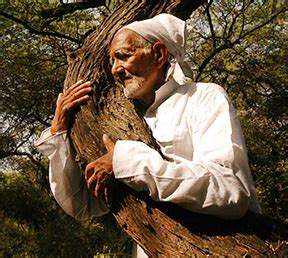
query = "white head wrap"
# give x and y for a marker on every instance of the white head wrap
(172, 32)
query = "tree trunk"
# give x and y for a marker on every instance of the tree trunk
(159, 228)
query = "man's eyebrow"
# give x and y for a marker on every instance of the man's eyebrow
(115, 52)
(120, 51)
(125, 48)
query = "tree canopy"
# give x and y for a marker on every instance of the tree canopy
(239, 45)
(243, 47)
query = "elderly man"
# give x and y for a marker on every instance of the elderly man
(205, 169)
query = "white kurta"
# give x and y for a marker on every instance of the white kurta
(206, 169)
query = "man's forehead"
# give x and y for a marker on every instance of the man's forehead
(123, 39)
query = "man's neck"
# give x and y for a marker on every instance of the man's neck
(164, 92)
(149, 99)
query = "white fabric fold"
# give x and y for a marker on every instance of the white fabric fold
(198, 132)
(66, 180)
(206, 168)
(172, 32)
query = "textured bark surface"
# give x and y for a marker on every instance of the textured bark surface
(168, 230)
(161, 229)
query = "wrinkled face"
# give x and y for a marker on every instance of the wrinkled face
(133, 66)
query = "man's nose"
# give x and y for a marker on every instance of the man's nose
(117, 68)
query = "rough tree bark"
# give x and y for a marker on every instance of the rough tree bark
(159, 228)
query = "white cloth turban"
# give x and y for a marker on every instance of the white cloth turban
(172, 32)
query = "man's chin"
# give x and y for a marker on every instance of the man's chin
(128, 94)
(131, 90)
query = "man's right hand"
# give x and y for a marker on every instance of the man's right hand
(73, 97)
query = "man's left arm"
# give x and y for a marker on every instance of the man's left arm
(216, 181)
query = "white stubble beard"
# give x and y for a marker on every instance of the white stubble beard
(134, 85)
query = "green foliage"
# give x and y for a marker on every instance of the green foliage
(33, 224)
(52, 18)
(33, 70)
(244, 49)
(111, 4)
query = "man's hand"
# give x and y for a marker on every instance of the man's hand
(76, 95)
(100, 171)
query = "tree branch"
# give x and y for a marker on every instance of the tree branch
(263, 24)
(39, 32)
(64, 9)
(211, 24)
(209, 58)
(23, 154)
(40, 120)
(229, 44)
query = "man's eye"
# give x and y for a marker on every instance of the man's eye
(122, 56)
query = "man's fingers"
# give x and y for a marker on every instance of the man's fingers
(109, 144)
(88, 173)
(81, 92)
(58, 98)
(74, 86)
(97, 188)
(75, 95)
(68, 105)
(89, 169)
(91, 181)
(78, 102)
(75, 90)
(108, 192)
(106, 196)
(102, 179)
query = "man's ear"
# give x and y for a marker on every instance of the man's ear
(160, 53)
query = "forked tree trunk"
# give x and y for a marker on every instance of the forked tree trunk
(159, 228)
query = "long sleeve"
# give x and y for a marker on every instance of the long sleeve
(66, 180)
(207, 169)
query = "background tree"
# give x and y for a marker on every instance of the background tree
(241, 46)
(33, 68)
(34, 225)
